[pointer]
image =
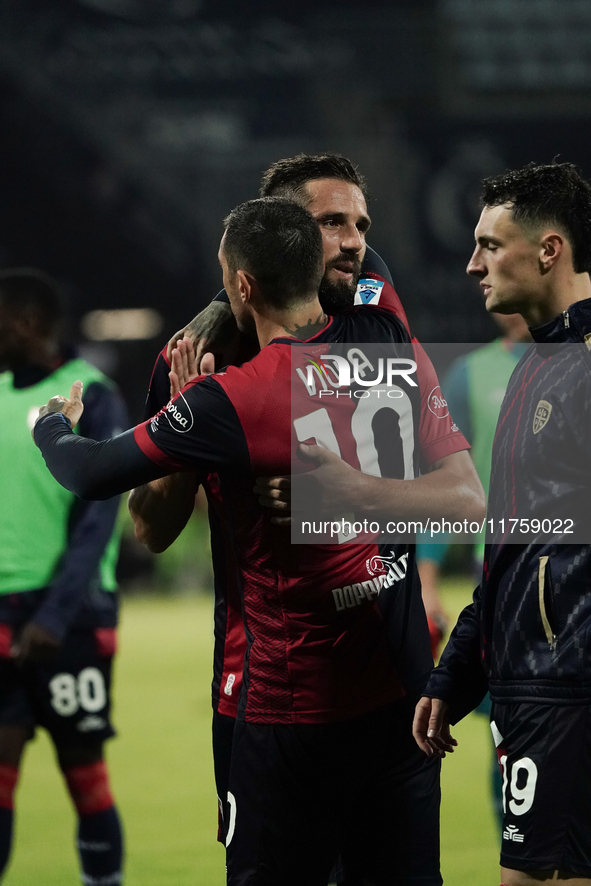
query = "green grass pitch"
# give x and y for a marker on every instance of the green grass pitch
(161, 767)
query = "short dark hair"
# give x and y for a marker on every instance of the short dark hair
(555, 193)
(280, 244)
(31, 290)
(287, 178)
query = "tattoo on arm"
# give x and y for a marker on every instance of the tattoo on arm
(308, 329)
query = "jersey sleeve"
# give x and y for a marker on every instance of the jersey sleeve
(197, 430)
(375, 287)
(438, 435)
(460, 678)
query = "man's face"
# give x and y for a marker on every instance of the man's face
(340, 209)
(506, 261)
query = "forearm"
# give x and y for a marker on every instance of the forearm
(460, 678)
(90, 469)
(451, 491)
(162, 508)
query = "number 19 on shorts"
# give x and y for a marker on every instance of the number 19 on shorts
(519, 784)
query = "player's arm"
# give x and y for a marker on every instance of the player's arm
(449, 489)
(91, 527)
(214, 330)
(199, 431)
(456, 686)
(161, 509)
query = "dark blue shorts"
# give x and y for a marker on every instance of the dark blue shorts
(70, 696)
(545, 757)
(302, 794)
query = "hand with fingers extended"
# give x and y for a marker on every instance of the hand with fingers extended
(431, 727)
(183, 365)
(35, 645)
(214, 329)
(72, 408)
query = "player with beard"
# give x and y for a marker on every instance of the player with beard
(335, 194)
(319, 678)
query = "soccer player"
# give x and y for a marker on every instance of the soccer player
(319, 682)
(58, 609)
(526, 633)
(335, 193)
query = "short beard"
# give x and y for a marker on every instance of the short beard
(336, 296)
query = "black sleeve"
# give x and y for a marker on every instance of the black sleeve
(460, 678)
(199, 430)
(91, 469)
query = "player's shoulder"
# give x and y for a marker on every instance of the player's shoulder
(257, 373)
(376, 287)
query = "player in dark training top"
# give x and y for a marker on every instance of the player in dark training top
(319, 679)
(526, 634)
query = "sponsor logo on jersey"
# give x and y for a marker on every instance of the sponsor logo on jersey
(179, 415)
(368, 292)
(350, 596)
(512, 833)
(437, 403)
(91, 723)
(229, 684)
(395, 568)
(541, 416)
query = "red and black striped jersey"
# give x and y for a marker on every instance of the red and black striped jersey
(308, 660)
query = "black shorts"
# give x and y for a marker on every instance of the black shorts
(70, 696)
(222, 735)
(302, 794)
(545, 757)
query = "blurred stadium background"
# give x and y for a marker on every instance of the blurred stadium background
(128, 129)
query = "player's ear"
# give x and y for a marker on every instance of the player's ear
(552, 247)
(246, 285)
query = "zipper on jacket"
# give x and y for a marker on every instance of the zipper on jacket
(566, 318)
(550, 635)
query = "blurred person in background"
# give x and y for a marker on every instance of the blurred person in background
(58, 606)
(525, 636)
(474, 389)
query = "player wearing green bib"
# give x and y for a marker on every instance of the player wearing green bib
(58, 609)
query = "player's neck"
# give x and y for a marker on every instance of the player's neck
(574, 288)
(301, 323)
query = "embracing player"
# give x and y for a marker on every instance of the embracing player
(318, 680)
